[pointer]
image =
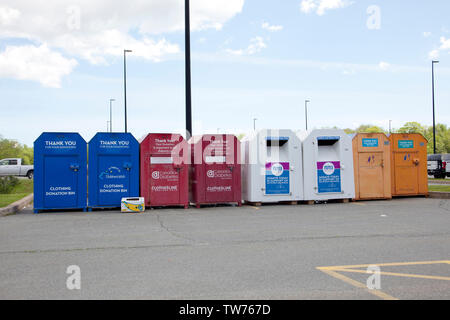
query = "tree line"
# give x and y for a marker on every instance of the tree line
(442, 134)
(13, 149)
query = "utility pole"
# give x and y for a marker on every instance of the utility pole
(110, 114)
(187, 32)
(306, 113)
(125, 85)
(434, 119)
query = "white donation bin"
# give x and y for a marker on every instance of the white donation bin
(327, 165)
(271, 167)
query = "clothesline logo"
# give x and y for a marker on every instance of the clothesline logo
(328, 168)
(210, 173)
(155, 175)
(109, 172)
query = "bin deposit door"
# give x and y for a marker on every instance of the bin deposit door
(371, 175)
(113, 179)
(61, 181)
(406, 172)
(219, 180)
(164, 181)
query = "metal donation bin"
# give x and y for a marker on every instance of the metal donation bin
(113, 171)
(60, 172)
(271, 167)
(164, 170)
(215, 172)
(409, 175)
(372, 166)
(328, 165)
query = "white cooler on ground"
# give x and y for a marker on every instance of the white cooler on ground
(133, 205)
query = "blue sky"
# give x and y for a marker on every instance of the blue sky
(357, 61)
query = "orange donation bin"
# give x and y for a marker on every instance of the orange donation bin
(409, 164)
(372, 165)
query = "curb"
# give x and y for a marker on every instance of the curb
(16, 206)
(439, 195)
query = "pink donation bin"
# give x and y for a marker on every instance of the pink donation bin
(215, 172)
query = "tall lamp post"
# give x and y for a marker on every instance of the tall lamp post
(125, 84)
(110, 114)
(306, 113)
(434, 119)
(187, 32)
(254, 124)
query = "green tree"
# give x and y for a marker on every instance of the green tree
(368, 128)
(413, 127)
(13, 149)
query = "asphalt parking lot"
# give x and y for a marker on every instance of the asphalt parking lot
(272, 252)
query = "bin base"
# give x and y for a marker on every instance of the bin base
(312, 202)
(259, 204)
(56, 210)
(153, 206)
(199, 205)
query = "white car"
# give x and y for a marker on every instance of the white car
(14, 167)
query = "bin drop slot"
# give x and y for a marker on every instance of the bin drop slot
(276, 141)
(327, 141)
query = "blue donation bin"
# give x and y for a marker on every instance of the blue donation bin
(113, 169)
(60, 172)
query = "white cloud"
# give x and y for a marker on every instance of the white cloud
(267, 26)
(35, 63)
(445, 46)
(426, 34)
(321, 6)
(434, 54)
(384, 65)
(101, 29)
(8, 15)
(256, 45)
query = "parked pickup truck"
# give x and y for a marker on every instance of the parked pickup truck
(446, 163)
(14, 167)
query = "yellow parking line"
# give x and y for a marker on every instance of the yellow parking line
(357, 284)
(386, 264)
(333, 271)
(406, 275)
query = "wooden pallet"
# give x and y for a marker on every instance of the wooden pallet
(259, 204)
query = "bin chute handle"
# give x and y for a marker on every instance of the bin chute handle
(127, 166)
(74, 167)
(416, 162)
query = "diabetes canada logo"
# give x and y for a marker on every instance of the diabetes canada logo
(210, 173)
(155, 175)
(328, 168)
(277, 169)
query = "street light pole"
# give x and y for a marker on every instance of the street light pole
(390, 127)
(306, 113)
(434, 119)
(187, 32)
(254, 124)
(110, 114)
(125, 85)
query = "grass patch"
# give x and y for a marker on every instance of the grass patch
(439, 188)
(21, 190)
